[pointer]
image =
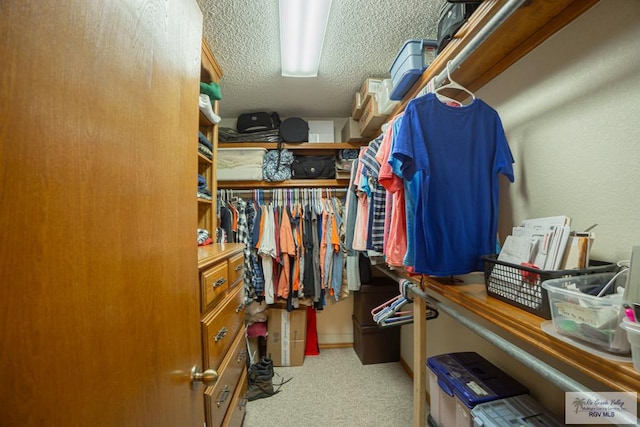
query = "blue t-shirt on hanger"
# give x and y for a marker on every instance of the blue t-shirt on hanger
(453, 156)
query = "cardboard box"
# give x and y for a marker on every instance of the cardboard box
(371, 120)
(351, 131)
(286, 337)
(370, 88)
(356, 108)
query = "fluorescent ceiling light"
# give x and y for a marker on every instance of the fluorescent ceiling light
(303, 24)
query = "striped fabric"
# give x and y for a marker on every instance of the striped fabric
(375, 236)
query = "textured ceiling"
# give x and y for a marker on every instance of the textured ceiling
(362, 40)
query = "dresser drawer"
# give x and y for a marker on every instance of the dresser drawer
(238, 407)
(219, 397)
(220, 327)
(214, 284)
(236, 269)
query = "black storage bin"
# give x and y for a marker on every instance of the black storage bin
(373, 344)
(364, 266)
(452, 16)
(521, 286)
(370, 296)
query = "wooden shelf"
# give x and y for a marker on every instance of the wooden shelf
(518, 35)
(295, 146)
(204, 121)
(209, 71)
(204, 159)
(308, 183)
(526, 326)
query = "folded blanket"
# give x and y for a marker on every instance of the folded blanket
(229, 161)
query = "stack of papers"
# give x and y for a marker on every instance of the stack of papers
(540, 242)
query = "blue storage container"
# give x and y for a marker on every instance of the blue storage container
(460, 381)
(414, 57)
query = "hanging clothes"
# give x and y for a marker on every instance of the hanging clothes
(337, 285)
(267, 252)
(287, 252)
(257, 277)
(396, 244)
(352, 269)
(371, 168)
(282, 242)
(308, 280)
(455, 154)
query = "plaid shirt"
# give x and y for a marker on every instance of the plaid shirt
(254, 279)
(375, 236)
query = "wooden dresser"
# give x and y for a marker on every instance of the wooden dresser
(221, 267)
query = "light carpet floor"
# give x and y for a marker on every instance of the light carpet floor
(335, 389)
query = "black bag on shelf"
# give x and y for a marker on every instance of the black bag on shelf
(294, 129)
(257, 122)
(452, 16)
(310, 167)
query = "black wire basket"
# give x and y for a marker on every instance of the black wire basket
(521, 286)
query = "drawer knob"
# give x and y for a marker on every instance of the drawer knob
(239, 267)
(221, 333)
(208, 377)
(221, 281)
(239, 308)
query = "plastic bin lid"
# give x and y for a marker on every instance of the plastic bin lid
(521, 411)
(423, 42)
(472, 378)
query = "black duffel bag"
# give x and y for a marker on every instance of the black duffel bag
(257, 122)
(309, 167)
(453, 15)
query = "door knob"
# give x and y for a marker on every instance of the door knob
(208, 377)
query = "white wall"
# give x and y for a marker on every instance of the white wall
(571, 111)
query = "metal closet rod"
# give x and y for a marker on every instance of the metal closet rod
(289, 190)
(493, 23)
(541, 368)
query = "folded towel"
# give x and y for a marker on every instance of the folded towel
(212, 90)
(207, 110)
(205, 151)
(204, 140)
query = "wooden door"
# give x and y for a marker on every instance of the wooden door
(99, 314)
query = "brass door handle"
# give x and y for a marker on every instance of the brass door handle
(208, 377)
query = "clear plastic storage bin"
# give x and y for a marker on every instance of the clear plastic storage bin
(520, 411)
(577, 313)
(633, 335)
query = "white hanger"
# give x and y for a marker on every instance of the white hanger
(452, 85)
